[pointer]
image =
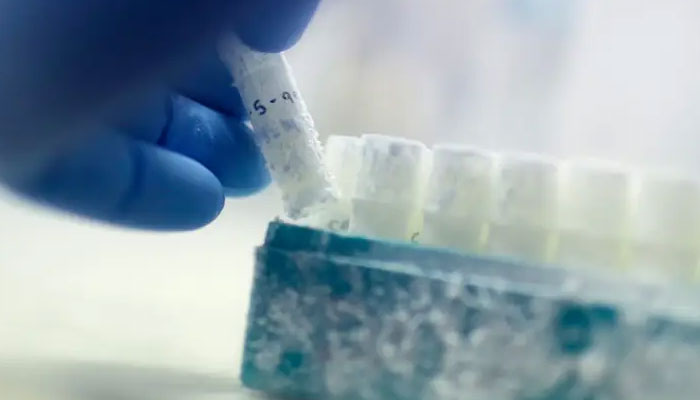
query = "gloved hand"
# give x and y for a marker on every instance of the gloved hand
(121, 110)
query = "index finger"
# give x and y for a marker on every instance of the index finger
(273, 25)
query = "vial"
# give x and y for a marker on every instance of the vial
(285, 133)
(390, 186)
(342, 155)
(523, 218)
(458, 198)
(594, 214)
(666, 226)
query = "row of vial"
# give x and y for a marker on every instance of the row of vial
(575, 213)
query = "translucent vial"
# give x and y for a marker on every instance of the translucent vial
(666, 230)
(342, 157)
(594, 214)
(458, 198)
(390, 188)
(285, 133)
(523, 216)
(343, 161)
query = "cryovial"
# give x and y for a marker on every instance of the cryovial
(390, 188)
(285, 133)
(342, 155)
(666, 226)
(458, 198)
(594, 214)
(523, 216)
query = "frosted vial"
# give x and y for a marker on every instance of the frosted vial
(285, 132)
(594, 215)
(390, 188)
(666, 228)
(342, 157)
(458, 198)
(523, 215)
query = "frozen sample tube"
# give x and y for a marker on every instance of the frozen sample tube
(342, 157)
(666, 228)
(523, 216)
(458, 198)
(285, 132)
(390, 188)
(594, 214)
(343, 161)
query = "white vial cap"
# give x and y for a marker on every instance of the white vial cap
(667, 210)
(525, 190)
(342, 155)
(392, 170)
(595, 198)
(460, 183)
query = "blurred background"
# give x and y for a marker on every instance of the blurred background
(83, 303)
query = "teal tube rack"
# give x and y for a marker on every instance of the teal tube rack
(336, 317)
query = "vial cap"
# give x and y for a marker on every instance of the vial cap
(525, 190)
(392, 170)
(460, 183)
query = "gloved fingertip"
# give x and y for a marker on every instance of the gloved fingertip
(172, 192)
(128, 182)
(273, 25)
(224, 145)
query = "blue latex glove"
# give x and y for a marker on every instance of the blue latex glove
(121, 110)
